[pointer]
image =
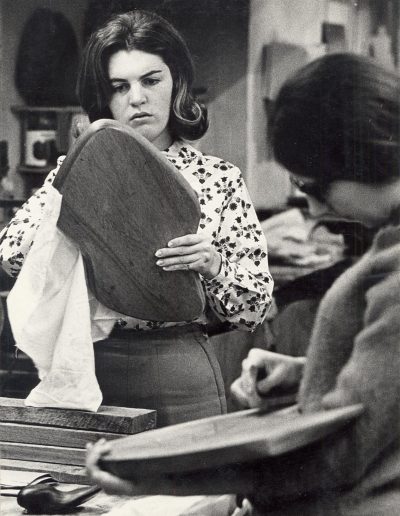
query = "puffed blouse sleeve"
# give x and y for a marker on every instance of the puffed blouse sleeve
(242, 291)
(17, 237)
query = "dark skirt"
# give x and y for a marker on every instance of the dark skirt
(172, 370)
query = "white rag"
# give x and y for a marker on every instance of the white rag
(55, 320)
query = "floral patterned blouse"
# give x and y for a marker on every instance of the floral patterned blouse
(241, 293)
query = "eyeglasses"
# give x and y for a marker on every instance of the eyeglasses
(314, 189)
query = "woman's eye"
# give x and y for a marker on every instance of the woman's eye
(150, 81)
(120, 88)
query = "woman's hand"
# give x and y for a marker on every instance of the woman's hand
(108, 482)
(190, 252)
(111, 484)
(276, 370)
(225, 479)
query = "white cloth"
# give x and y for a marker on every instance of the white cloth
(50, 311)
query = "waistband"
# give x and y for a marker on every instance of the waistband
(169, 331)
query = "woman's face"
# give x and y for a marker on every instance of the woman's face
(142, 91)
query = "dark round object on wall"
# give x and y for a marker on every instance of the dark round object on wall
(47, 60)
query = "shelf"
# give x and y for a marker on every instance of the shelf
(55, 138)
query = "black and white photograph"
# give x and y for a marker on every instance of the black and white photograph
(200, 257)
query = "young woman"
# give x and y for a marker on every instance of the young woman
(137, 69)
(336, 128)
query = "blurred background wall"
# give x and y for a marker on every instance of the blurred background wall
(243, 50)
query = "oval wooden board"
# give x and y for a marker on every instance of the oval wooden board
(222, 440)
(123, 200)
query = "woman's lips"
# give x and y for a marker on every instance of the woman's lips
(139, 116)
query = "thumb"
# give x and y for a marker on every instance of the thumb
(336, 399)
(249, 378)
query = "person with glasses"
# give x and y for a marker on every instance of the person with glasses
(335, 126)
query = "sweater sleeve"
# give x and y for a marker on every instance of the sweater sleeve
(370, 376)
(17, 237)
(242, 291)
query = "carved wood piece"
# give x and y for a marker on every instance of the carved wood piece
(221, 440)
(123, 200)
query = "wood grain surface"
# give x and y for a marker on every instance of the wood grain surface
(219, 440)
(107, 419)
(123, 200)
(61, 472)
(49, 435)
(42, 453)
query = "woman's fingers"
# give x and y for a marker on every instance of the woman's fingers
(261, 372)
(259, 358)
(180, 245)
(182, 259)
(195, 266)
(276, 378)
(249, 377)
(244, 389)
(112, 484)
(109, 483)
(182, 251)
(190, 252)
(94, 452)
(185, 240)
(239, 393)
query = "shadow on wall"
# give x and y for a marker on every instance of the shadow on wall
(47, 60)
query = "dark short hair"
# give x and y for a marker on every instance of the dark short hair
(148, 32)
(338, 118)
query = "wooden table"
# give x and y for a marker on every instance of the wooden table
(102, 504)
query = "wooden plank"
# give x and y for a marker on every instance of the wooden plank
(61, 472)
(50, 435)
(40, 453)
(122, 420)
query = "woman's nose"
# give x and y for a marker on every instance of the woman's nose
(316, 208)
(136, 95)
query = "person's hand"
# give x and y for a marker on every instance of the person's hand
(190, 252)
(274, 369)
(111, 484)
(225, 479)
(108, 482)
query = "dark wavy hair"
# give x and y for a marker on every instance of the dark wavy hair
(148, 32)
(338, 118)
